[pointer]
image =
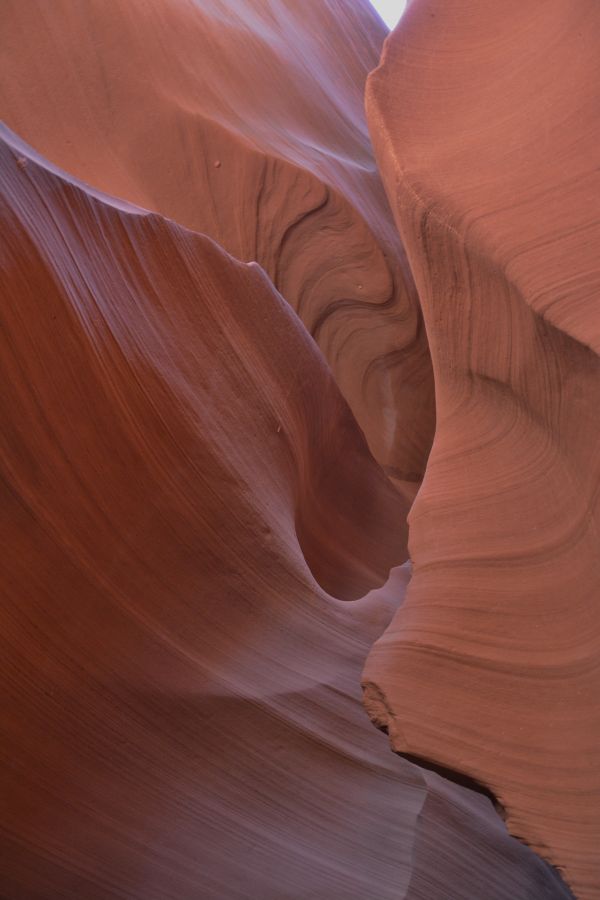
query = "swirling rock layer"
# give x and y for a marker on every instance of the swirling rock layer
(236, 120)
(171, 429)
(181, 479)
(188, 499)
(486, 126)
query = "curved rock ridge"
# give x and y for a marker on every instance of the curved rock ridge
(181, 717)
(485, 121)
(239, 120)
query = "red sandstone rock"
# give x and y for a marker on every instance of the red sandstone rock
(186, 494)
(140, 97)
(171, 664)
(486, 126)
(181, 714)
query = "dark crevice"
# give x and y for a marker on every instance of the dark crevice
(459, 778)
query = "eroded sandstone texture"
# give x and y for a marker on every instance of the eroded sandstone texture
(485, 121)
(206, 514)
(245, 121)
(182, 481)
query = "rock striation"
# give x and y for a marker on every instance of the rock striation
(225, 382)
(237, 120)
(184, 491)
(486, 127)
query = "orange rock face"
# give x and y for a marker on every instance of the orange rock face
(485, 121)
(173, 447)
(223, 374)
(235, 120)
(182, 483)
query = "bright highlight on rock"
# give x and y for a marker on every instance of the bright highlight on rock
(300, 481)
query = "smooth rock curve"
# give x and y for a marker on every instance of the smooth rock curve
(486, 124)
(237, 119)
(181, 714)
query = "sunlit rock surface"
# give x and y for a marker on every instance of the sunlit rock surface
(183, 482)
(485, 121)
(204, 510)
(244, 120)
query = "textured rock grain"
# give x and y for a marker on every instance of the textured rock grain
(486, 125)
(243, 120)
(180, 475)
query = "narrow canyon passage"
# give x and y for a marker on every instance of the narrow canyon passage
(299, 445)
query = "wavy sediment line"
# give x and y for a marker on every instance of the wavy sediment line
(489, 667)
(243, 127)
(192, 510)
(182, 709)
